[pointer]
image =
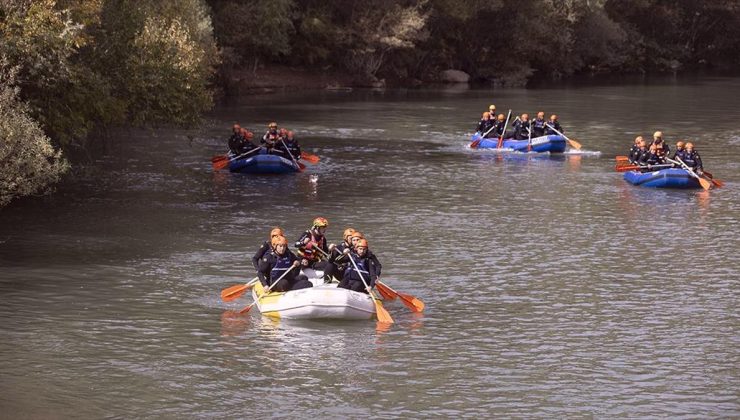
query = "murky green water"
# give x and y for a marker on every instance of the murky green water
(553, 288)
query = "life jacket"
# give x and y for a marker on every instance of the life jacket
(538, 128)
(634, 153)
(363, 267)
(316, 241)
(692, 160)
(282, 264)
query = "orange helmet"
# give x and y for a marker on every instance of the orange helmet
(501, 117)
(541, 114)
(283, 131)
(689, 145)
(361, 243)
(679, 145)
(278, 240)
(320, 222)
(553, 117)
(250, 135)
(276, 231)
(236, 127)
(357, 234)
(290, 135)
(348, 232)
(486, 114)
(638, 139)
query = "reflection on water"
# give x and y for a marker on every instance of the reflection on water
(552, 287)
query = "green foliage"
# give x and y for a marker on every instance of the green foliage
(29, 164)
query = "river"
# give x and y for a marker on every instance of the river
(553, 288)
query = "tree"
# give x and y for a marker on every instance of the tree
(29, 164)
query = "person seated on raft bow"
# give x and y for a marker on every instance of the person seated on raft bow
(264, 249)
(247, 145)
(276, 262)
(363, 266)
(635, 150)
(521, 127)
(692, 159)
(555, 124)
(662, 145)
(313, 249)
(643, 154)
(538, 125)
(680, 151)
(271, 137)
(485, 124)
(293, 146)
(235, 140)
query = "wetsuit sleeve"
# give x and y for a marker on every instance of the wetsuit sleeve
(299, 243)
(264, 269)
(699, 164)
(373, 270)
(259, 254)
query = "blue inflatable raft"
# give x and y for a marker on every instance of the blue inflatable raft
(552, 144)
(664, 178)
(263, 164)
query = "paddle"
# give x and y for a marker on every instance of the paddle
(234, 292)
(529, 141)
(717, 183)
(300, 166)
(625, 168)
(703, 182)
(383, 315)
(248, 308)
(476, 142)
(223, 163)
(309, 157)
(574, 144)
(411, 302)
(503, 132)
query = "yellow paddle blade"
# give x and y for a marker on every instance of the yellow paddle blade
(383, 315)
(574, 144)
(704, 183)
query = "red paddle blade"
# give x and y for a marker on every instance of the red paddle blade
(411, 302)
(247, 309)
(221, 164)
(474, 144)
(383, 290)
(309, 157)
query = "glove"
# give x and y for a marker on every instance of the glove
(331, 247)
(346, 251)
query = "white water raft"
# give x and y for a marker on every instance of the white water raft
(323, 301)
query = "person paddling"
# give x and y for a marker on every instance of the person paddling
(538, 125)
(273, 265)
(680, 151)
(521, 127)
(555, 124)
(235, 140)
(662, 146)
(634, 154)
(266, 246)
(692, 159)
(485, 125)
(313, 249)
(361, 268)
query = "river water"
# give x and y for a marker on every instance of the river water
(553, 288)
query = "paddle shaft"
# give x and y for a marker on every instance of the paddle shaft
(290, 154)
(566, 137)
(705, 184)
(503, 132)
(268, 289)
(378, 306)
